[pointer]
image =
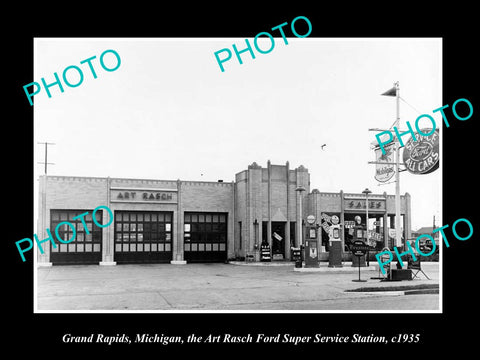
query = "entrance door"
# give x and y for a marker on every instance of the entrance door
(278, 239)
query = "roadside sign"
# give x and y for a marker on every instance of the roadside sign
(359, 248)
(349, 224)
(265, 252)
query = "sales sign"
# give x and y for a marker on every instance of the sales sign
(355, 204)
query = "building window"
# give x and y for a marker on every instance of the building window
(264, 232)
(292, 233)
(83, 242)
(240, 231)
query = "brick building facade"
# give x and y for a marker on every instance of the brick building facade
(180, 221)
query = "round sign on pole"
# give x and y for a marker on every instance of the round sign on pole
(311, 219)
(422, 156)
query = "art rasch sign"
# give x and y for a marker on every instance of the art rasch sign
(422, 156)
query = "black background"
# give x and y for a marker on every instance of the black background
(42, 333)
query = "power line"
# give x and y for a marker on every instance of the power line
(405, 101)
(410, 105)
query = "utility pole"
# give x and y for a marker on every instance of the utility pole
(43, 201)
(45, 162)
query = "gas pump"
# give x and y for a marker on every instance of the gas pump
(311, 244)
(359, 234)
(335, 243)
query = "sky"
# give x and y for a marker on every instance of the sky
(168, 112)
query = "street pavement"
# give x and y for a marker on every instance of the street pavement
(225, 287)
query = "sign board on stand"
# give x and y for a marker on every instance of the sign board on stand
(265, 252)
(359, 248)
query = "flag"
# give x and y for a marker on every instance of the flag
(391, 92)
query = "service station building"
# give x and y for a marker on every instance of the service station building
(177, 221)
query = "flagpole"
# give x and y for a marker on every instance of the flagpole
(395, 91)
(398, 237)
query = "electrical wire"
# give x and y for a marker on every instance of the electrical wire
(405, 101)
(410, 105)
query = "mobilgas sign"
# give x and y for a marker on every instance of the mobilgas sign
(359, 248)
(384, 172)
(422, 156)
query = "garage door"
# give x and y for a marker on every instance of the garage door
(85, 248)
(143, 237)
(205, 237)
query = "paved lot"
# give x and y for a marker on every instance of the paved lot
(220, 287)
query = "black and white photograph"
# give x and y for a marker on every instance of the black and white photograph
(243, 189)
(215, 181)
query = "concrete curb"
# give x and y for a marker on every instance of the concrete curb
(422, 292)
(406, 288)
(399, 293)
(345, 268)
(323, 267)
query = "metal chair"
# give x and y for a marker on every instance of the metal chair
(416, 267)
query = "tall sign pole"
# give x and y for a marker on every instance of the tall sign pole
(398, 234)
(395, 91)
